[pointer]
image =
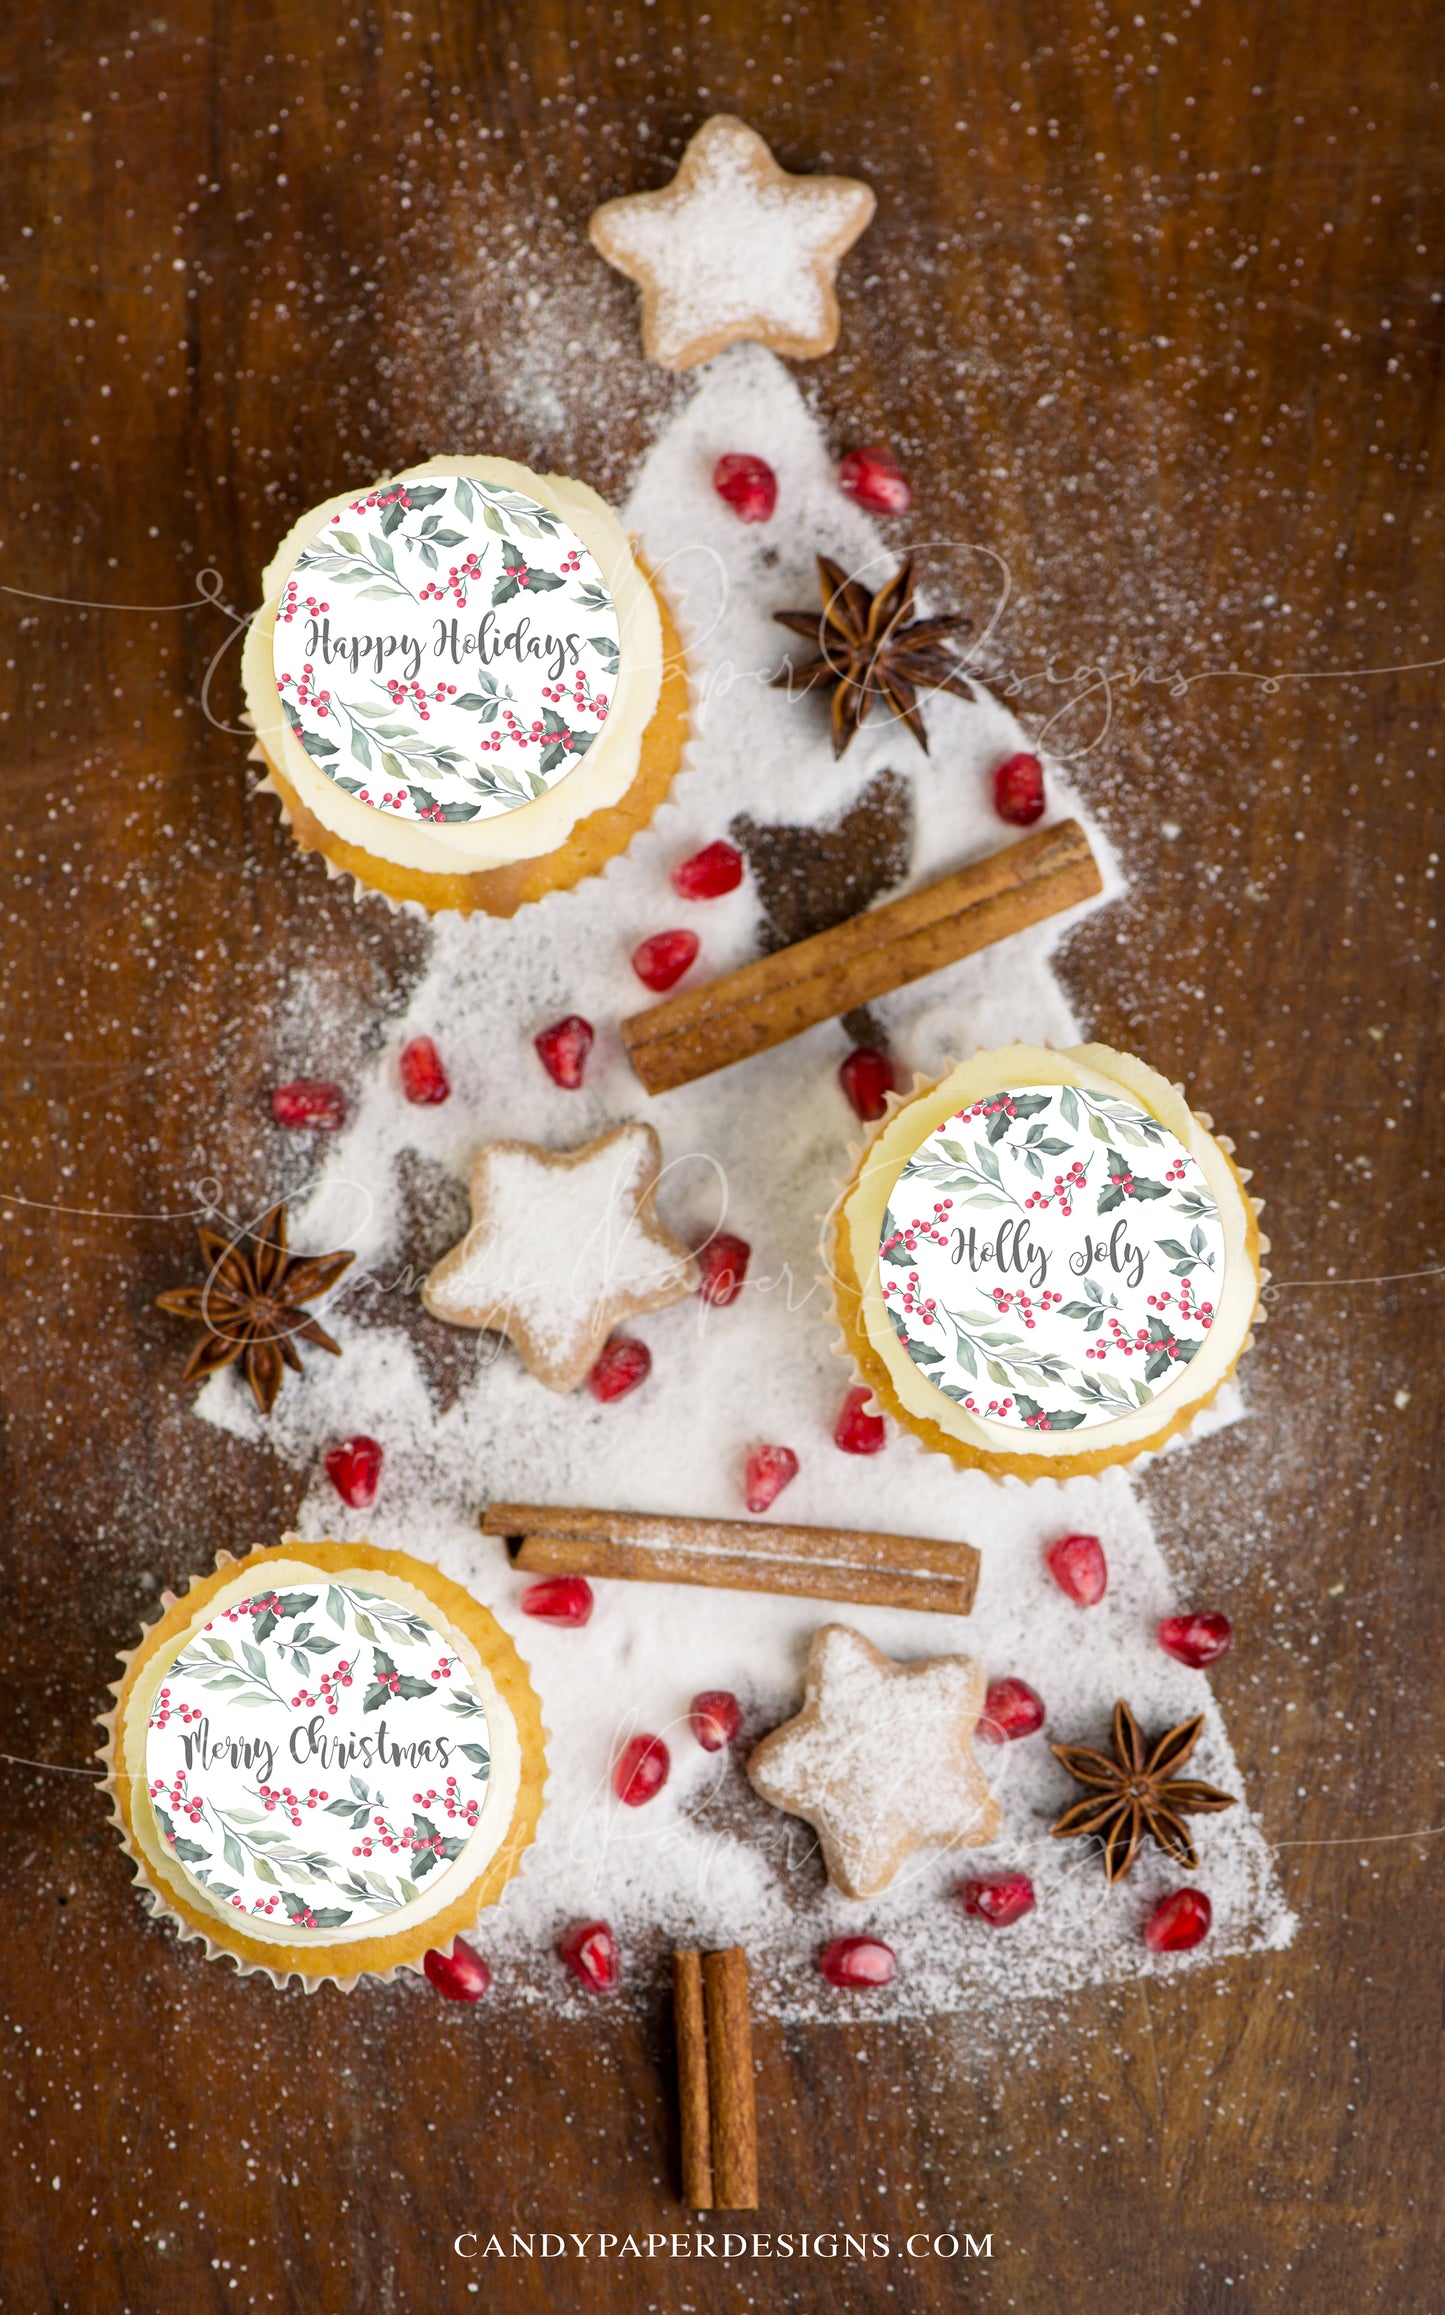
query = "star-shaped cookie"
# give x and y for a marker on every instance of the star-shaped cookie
(880, 1759)
(734, 248)
(563, 1246)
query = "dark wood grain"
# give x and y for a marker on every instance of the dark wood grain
(1149, 309)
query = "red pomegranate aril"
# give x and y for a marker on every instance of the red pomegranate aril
(1004, 1899)
(1011, 1709)
(354, 1468)
(717, 869)
(858, 1963)
(641, 1770)
(423, 1079)
(660, 962)
(866, 1076)
(590, 1952)
(873, 479)
(1179, 1921)
(768, 1471)
(1018, 791)
(723, 1263)
(625, 1362)
(1195, 1640)
(748, 484)
(564, 1049)
(311, 1104)
(461, 1975)
(1078, 1566)
(856, 1432)
(560, 1599)
(716, 1717)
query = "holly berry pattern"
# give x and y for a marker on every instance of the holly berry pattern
(1023, 1266)
(306, 1757)
(446, 650)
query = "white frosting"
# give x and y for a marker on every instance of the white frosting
(601, 777)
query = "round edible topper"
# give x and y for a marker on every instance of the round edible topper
(313, 1754)
(1051, 1258)
(446, 649)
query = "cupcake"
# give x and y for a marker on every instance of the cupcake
(325, 1761)
(1045, 1263)
(466, 689)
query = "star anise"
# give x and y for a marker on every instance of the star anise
(251, 1304)
(873, 648)
(1137, 1792)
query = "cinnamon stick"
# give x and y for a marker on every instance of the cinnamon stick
(778, 996)
(692, 2089)
(730, 2080)
(828, 1563)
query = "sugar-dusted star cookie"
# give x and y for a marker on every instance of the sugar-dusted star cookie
(563, 1246)
(880, 1759)
(734, 248)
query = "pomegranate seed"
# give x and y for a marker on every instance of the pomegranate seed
(866, 1076)
(1018, 791)
(1078, 1567)
(310, 1102)
(641, 1770)
(423, 1079)
(1011, 1709)
(1006, 1898)
(717, 869)
(354, 1469)
(1196, 1640)
(564, 1049)
(716, 1717)
(625, 1362)
(872, 478)
(559, 1599)
(769, 1470)
(461, 1975)
(748, 484)
(590, 1952)
(723, 1262)
(855, 1432)
(857, 1963)
(661, 961)
(1179, 1921)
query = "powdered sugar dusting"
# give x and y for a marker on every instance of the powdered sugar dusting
(763, 1146)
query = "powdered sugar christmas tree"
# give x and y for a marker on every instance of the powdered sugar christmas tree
(758, 1150)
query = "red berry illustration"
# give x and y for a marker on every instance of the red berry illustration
(661, 961)
(1078, 1567)
(1195, 1640)
(873, 479)
(748, 484)
(708, 874)
(461, 1975)
(625, 1362)
(423, 1079)
(1179, 1921)
(1007, 1897)
(716, 1717)
(641, 1770)
(723, 1262)
(855, 1431)
(564, 1049)
(1018, 790)
(354, 1468)
(858, 1963)
(559, 1599)
(769, 1470)
(590, 1952)
(1011, 1709)
(866, 1076)
(311, 1103)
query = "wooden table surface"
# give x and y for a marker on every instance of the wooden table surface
(1150, 307)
